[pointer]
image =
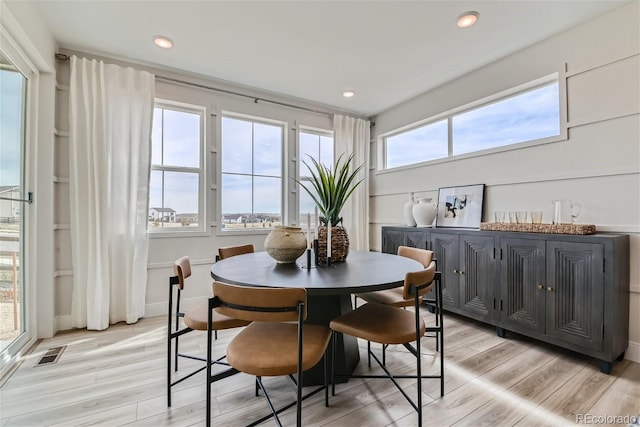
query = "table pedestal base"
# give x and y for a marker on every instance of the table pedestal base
(320, 311)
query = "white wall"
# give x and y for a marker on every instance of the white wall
(598, 165)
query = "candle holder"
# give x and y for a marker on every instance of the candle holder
(315, 251)
(309, 259)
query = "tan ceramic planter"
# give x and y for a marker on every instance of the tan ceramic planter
(285, 244)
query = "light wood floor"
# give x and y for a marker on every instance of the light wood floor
(117, 377)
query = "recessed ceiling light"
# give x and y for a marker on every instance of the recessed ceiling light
(348, 93)
(163, 42)
(467, 19)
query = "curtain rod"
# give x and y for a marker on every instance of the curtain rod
(242, 95)
(65, 57)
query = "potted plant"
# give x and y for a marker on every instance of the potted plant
(330, 188)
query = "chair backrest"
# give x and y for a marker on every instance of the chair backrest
(419, 278)
(423, 256)
(229, 251)
(182, 269)
(260, 304)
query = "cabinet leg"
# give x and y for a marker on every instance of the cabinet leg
(500, 332)
(605, 367)
(621, 357)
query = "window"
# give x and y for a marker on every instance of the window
(319, 146)
(13, 263)
(251, 166)
(524, 117)
(528, 114)
(176, 184)
(421, 144)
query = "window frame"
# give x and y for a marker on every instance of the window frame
(203, 222)
(315, 131)
(556, 77)
(284, 188)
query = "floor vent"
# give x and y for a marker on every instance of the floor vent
(51, 356)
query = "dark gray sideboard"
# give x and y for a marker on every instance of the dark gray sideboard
(567, 290)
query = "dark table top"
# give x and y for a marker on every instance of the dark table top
(361, 272)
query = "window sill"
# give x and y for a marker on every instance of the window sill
(177, 234)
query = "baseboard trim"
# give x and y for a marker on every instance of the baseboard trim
(633, 352)
(63, 323)
(155, 309)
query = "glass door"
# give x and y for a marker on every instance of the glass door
(13, 200)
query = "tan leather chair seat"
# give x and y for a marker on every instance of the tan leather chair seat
(196, 318)
(271, 349)
(398, 297)
(394, 297)
(379, 323)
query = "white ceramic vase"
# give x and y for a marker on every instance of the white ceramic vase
(424, 212)
(285, 244)
(408, 212)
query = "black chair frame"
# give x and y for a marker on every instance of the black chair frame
(434, 305)
(439, 330)
(174, 332)
(214, 302)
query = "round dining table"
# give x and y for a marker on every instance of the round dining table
(329, 289)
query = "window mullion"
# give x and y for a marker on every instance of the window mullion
(253, 170)
(450, 135)
(186, 169)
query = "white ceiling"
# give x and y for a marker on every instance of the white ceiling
(387, 51)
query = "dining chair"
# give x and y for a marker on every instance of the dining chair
(229, 251)
(277, 342)
(396, 297)
(195, 318)
(386, 324)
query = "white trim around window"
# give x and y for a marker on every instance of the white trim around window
(447, 116)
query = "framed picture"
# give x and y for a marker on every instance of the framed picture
(460, 206)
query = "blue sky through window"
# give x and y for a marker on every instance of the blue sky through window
(11, 118)
(525, 117)
(319, 147)
(425, 143)
(251, 167)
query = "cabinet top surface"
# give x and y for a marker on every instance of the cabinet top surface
(514, 234)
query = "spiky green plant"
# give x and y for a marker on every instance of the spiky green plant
(332, 186)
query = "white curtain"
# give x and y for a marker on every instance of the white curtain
(111, 111)
(351, 136)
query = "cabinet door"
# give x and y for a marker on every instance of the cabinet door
(575, 292)
(522, 274)
(391, 239)
(447, 252)
(416, 239)
(477, 276)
